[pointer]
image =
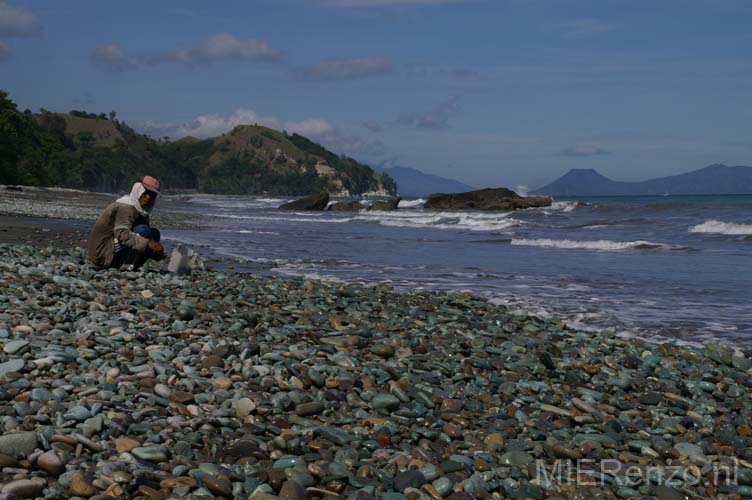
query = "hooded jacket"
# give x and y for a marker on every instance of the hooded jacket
(114, 227)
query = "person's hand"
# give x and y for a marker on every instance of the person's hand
(156, 248)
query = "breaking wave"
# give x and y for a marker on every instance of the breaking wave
(412, 203)
(443, 220)
(604, 245)
(718, 227)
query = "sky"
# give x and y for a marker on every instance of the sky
(489, 92)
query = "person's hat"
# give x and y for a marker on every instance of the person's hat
(150, 183)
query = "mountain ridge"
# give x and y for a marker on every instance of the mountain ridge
(415, 183)
(90, 151)
(715, 179)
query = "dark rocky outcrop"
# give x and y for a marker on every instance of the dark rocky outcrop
(386, 206)
(485, 199)
(347, 206)
(312, 202)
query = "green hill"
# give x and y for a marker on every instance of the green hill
(88, 151)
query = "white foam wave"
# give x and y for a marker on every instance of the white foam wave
(605, 245)
(443, 220)
(301, 218)
(412, 203)
(251, 231)
(564, 206)
(719, 227)
(235, 202)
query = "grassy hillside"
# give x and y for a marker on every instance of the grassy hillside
(87, 151)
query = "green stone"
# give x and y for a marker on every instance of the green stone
(668, 493)
(689, 450)
(516, 458)
(625, 492)
(385, 401)
(288, 461)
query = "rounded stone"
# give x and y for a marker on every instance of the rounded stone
(14, 346)
(25, 488)
(244, 407)
(515, 458)
(51, 463)
(218, 485)
(308, 409)
(385, 401)
(18, 443)
(149, 453)
(80, 487)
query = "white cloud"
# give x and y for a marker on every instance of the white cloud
(586, 27)
(435, 119)
(111, 55)
(383, 3)
(316, 129)
(349, 69)
(17, 22)
(583, 151)
(212, 124)
(434, 71)
(374, 127)
(5, 52)
(222, 46)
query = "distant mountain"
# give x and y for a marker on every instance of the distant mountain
(714, 179)
(413, 183)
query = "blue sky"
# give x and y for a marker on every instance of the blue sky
(490, 92)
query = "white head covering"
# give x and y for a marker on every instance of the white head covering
(132, 199)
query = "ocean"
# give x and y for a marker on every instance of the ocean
(665, 268)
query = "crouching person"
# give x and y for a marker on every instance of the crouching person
(122, 237)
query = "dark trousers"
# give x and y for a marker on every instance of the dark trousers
(149, 232)
(133, 259)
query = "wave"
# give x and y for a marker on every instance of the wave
(235, 202)
(412, 203)
(565, 206)
(609, 222)
(604, 245)
(719, 227)
(309, 217)
(443, 220)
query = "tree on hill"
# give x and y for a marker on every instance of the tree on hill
(41, 149)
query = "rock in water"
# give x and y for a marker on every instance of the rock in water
(386, 206)
(485, 199)
(312, 202)
(346, 206)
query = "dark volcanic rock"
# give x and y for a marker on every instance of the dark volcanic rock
(312, 202)
(485, 199)
(347, 206)
(386, 205)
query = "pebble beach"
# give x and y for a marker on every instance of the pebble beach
(230, 385)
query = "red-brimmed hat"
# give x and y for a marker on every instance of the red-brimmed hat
(150, 183)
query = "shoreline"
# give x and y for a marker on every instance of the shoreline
(222, 385)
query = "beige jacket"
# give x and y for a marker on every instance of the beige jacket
(114, 227)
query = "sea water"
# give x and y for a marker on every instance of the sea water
(668, 268)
